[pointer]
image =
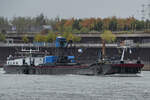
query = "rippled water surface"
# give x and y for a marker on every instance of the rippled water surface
(73, 87)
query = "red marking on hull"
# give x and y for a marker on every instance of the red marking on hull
(128, 65)
(61, 66)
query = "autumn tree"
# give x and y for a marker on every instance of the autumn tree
(40, 38)
(113, 24)
(68, 29)
(69, 22)
(84, 30)
(147, 24)
(76, 39)
(4, 24)
(129, 23)
(69, 36)
(98, 25)
(106, 22)
(25, 39)
(120, 24)
(2, 37)
(88, 23)
(85, 23)
(106, 36)
(60, 25)
(51, 37)
(34, 24)
(76, 24)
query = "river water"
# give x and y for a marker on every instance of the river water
(73, 87)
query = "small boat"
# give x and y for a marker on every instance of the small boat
(120, 66)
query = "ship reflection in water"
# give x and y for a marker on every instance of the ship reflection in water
(73, 87)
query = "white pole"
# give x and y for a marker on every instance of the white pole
(122, 56)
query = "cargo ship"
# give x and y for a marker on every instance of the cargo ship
(60, 63)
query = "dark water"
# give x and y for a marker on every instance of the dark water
(73, 87)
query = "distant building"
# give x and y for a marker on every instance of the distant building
(47, 27)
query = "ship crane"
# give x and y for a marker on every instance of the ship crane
(125, 45)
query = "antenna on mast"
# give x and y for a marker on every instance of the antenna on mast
(149, 10)
(143, 12)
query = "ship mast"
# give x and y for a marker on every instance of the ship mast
(103, 49)
(125, 45)
(122, 56)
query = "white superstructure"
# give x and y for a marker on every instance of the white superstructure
(15, 62)
(28, 61)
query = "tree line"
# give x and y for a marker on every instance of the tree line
(51, 37)
(74, 25)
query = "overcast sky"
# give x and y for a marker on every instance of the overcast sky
(71, 8)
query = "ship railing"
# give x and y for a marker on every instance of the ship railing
(74, 44)
(26, 45)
